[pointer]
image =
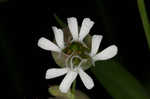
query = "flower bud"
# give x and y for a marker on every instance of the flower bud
(54, 90)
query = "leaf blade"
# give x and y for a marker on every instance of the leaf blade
(118, 82)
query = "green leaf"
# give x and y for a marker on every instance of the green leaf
(145, 20)
(118, 82)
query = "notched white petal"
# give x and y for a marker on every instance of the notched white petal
(67, 81)
(59, 37)
(96, 40)
(55, 72)
(107, 53)
(73, 27)
(48, 45)
(85, 28)
(86, 79)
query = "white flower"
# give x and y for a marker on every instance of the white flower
(50, 46)
(85, 28)
(106, 54)
(72, 73)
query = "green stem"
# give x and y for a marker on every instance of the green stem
(73, 89)
(60, 22)
(145, 20)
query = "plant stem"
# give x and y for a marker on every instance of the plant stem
(73, 89)
(59, 21)
(145, 20)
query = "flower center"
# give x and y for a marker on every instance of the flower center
(74, 48)
(77, 49)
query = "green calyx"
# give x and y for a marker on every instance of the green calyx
(54, 91)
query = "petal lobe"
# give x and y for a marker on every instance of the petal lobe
(48, 45)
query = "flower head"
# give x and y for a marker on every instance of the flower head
(78, 54)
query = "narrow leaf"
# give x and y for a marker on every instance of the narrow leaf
(118, 82)
(145, 20)
(60, 22)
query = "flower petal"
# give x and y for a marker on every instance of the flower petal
(96, 40)
(107, 53)
(85, 28)
(48, 45)
(55, 72)
(86, 79)
(67, 81)
(59, 36)
(73, 26)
